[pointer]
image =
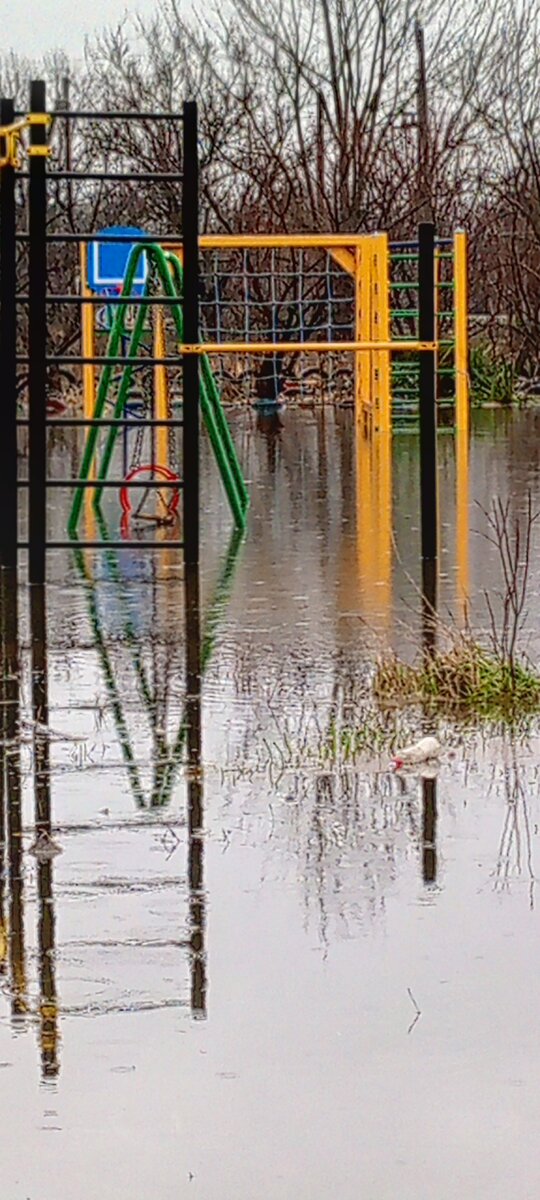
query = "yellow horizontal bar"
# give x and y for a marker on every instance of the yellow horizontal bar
(275, 241)
(299, 347)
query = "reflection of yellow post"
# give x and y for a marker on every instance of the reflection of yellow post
(374, 524)
(381, 332)
(364, 514)
(160, 389)
(461, 331)
(383, 526)
(462, 522)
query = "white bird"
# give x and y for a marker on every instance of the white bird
(44, 847)
(423, 751)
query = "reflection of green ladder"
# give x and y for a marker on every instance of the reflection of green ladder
(168, 270)
(169, 757)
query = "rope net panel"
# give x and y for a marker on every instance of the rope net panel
(278, 294)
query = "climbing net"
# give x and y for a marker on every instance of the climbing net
(278, 294)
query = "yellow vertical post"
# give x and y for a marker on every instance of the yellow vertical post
(461, 332)
(160, 389)
(381, 332)
(88, 341)
(362, 327)
(88, 338)
(374, 334)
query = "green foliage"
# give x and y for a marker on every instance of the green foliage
(492, 378)
(465, 681)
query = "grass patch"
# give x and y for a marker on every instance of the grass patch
(492, 378)
(465, 680)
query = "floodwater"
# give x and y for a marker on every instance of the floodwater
(251, 973)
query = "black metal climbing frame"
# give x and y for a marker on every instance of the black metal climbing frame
(29, 352)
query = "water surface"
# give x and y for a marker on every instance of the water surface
(262, 978)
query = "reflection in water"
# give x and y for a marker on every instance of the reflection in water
(462, 523)
(193, 720)
(48, 1007)
(515, 857)
(373, 476)
(11, 772)
(187, 743)
(153, 692)
(429, 830)
(320, 851)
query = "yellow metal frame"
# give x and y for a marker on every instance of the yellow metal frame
(365, 257)
(161, 396)
(461, 333)
(12, 133)
(380, 332)
(300, 347)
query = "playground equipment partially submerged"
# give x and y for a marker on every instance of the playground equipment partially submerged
(309, 288)
(285, 305)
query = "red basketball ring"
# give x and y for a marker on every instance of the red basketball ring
(164, 473)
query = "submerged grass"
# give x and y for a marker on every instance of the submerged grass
(464, 680)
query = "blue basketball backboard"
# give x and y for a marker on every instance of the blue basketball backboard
(107, 261)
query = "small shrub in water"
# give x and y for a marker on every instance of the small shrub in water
(464, 679)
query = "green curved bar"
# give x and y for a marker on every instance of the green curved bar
(169, 272)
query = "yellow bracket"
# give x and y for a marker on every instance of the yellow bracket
(38, 119)
(11, 135)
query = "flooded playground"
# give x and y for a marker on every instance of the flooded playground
(273, 973)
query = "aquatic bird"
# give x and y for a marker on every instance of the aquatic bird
(44, 847)
(426, 749)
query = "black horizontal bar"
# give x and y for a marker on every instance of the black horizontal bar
(109, 176)
(163, 239)
(120, 423)
(117, 361)
(135, 423)
(74, 115)
(107, 483)
(76, 545)
(101, 301)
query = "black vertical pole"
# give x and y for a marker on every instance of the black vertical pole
(37, 340)
(428, 411)
(190, 364)
(8, 357)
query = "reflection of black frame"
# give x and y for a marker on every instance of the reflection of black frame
(429, 830)
(11, 777)
(48, 1006)
(193, 719)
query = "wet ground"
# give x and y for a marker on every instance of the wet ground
(252, 972)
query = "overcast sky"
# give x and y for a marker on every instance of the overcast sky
(35, 27)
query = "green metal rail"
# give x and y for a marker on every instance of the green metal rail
(168, 270)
